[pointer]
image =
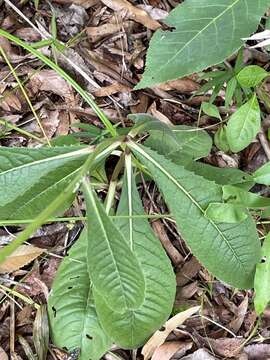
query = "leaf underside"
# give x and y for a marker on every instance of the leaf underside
(131, 329)
(229, 251)
(73, 319)
(204, 33)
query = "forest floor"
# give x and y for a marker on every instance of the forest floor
(107, 42)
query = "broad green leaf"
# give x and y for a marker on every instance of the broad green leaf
(229, 251)
(222, 176)
(132, 328)
(210, 110)
(73, 319)
(226, 212)
(244, 125)
(90, 164)
(114, 270)
(262, 175)
(251, 76)
(220, 139)
(262, 279)
(203, 33)
(31, 178)
(188, 143)
(241, 197)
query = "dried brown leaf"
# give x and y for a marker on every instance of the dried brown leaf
(154, 12)
(157, 114)
(258, 351)
(236, 323)
(160, 336)
(112, 89)
(186, 292)
(22, 256)
(27, 348)
(10, 102)
(200, 354)
(168, 349)
(185, 85)
(10, 52)
(132, 12)
(41, 333)
(226, 347)
(3, 354)
(188, 271)
(96, 33)
(49, 80)
(84, 3)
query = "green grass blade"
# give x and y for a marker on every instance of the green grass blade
(65, 76)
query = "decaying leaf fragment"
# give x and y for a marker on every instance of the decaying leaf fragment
(160, 336)
(41, 333)
(132, 12)
(22, 256)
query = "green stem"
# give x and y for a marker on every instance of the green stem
(83, 218)
(19, 130)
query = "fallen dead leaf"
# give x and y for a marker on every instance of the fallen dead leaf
(236, 323)
(10, 102)
(200, 354)
(3, 354)
(96, 33)
(28, 34)
(10, 52)
(41, 332)
(112, 89)
(187, 291)
(226, 347)
(49, 80)
(160, 336)
(154, 12)
(168, 349)
(258, 351)
(20, 257)
(188, 271)
(73, 18)
(185, 85)
(24, 316)
(157, 114)
(84, 3)
(132, 12)
(50, 121)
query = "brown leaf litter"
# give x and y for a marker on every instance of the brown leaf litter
(107, 57)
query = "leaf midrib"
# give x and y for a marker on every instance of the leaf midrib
(45, 190)
(246, 118)
(198, 34)
(76, 153)
(136, 147)
(91, 197)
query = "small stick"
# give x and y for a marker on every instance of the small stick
(265, 144)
